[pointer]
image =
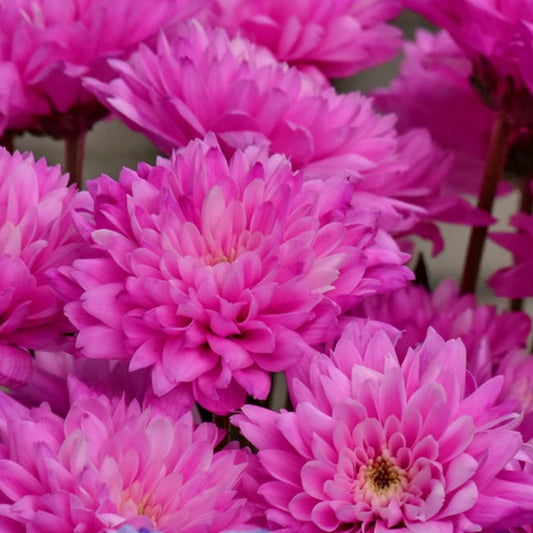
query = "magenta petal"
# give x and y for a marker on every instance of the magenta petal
(16, 482)
(15, 366)
(324, 516)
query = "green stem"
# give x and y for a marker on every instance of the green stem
(494, 168)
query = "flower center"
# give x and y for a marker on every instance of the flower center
(381, 476)
(221, 257)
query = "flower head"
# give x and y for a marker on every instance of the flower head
(46, 46)
(492, 35)
(108, 464)
(245, 97)
(213, 274)
(339, 38)
(374, 445)
(515, 281)
(434, 78)
(36, 234)
(488, 336)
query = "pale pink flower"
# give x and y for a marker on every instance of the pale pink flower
(109, 463)
(339, 37)
(434, 79)
(203, 81)
(36, 234)
(374, 445)
(46, 46)
(515, 281)
(214, 274)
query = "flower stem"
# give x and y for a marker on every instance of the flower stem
(526, 206)
(494, 168)
(74, 152)
(7, 141)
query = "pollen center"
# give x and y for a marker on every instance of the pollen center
(221, 257)
(381, 476)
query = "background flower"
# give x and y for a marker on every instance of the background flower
(434, 80)
(36, 234)
(515, 281)
(46, 46)
(204, 81)
(339, 38)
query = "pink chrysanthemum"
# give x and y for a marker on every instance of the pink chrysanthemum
(377, 446)
(434, 79)
(46, 46)
(48, 383)
(491, 34)
(515, 281)
(214, 274)
(36, 234)
(487, 335)
(109, 463)
(204, 81)
(340, 37)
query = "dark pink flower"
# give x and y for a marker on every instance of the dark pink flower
(515, 281)
(374, 445)
(340, 37)
(214, 274)
(46, 46)
(487, 335)
(434, 79)
(491, 35)
(109, 463)
(36, 234)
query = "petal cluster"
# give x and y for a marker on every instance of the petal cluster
(36, 235)
(488, 336)
(109, 463)
(46, 46)
(374, 445)
(515, 281)
(203, 81)
(339, 38)
(492, 35)
(434, 78)
(214, 274)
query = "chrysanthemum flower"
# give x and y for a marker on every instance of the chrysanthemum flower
(487, 335)
(36, 234)
(109, 463)
(46, 46)
(340, 37)
(214, 274)
(374, 445)
(515, 281)
(203, 81)
(491, 34)
(434, 78)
